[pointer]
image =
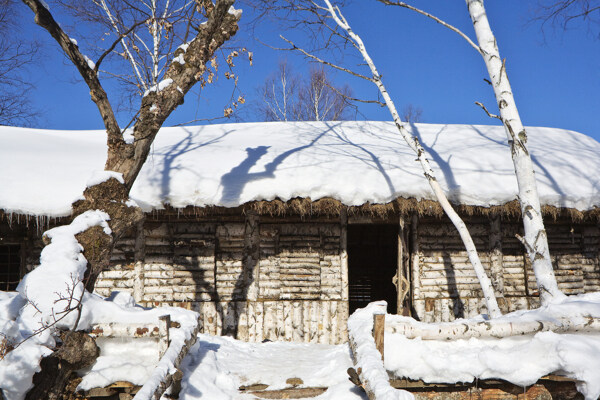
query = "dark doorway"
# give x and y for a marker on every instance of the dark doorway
(372, 264)
(10, 267)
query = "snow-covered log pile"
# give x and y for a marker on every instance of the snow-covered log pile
(520, 347)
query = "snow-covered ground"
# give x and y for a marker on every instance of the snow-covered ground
(216, 367)
(232, 164)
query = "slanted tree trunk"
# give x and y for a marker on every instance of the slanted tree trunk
(127, 159)
(535, 240)
(415, 145)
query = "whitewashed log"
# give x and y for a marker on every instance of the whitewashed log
(153, 391)
(489, 329)
(344, 252)
(164, 323)
(117, 330)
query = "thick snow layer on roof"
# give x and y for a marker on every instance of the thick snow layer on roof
(42, 171)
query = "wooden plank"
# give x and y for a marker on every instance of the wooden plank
(378, 332)
(291, 393)
(344, 252)
(416, 269)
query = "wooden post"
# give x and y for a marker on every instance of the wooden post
(139, 258)
(401, 290)
(378, 330)
(418, 301)
(164, 322)
(344, 252)
(251, 255)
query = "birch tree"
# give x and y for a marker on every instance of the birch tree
(566, 12)
(331, 19)
(162, 75)
(535, 239)
(15, 56)
(288, 96)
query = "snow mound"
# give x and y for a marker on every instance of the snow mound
(354, 162)
(521, 360)
(216, 367)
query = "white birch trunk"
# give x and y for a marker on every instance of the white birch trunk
(490, 329)
(536, 241)
(413, 143)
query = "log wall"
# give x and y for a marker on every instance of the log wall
(278, 279)
(446, 285)
(252, 280)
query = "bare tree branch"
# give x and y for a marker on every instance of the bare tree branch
(433, 17)
(44, 19)
(320, 60)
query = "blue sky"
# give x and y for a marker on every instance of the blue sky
(555, 75)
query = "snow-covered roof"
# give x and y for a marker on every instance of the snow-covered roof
(43, 171)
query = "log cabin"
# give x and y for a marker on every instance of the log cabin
(278, 231)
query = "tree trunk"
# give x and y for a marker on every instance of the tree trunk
(112, 195)
(535, 240)
(491, 329)
(78, 351)
(413, 143)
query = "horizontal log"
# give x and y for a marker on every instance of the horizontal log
(176, 297)
(114, 283)
(196, 274)
(124, 330)
(177, 289)
(488, 329)
(188, 282)
(152, 266)
(117, 274)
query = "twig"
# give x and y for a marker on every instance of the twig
(312, 56)
(488, 113)
(436, 19)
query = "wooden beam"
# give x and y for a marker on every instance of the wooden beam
(139, 257)
(291, 393)
(378, 332)
(164, 323)
(495, 248)
(344, 252)
(402, 282)
(416, 268)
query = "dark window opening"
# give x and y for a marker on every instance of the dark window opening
(10, 267)
(372, 264)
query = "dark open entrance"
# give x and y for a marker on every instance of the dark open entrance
(372, 264)
(10, 267)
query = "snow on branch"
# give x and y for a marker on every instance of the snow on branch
(54, 289)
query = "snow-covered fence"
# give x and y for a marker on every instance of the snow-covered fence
(159, 331)
(173, 343)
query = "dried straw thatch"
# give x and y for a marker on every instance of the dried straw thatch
(331, 208)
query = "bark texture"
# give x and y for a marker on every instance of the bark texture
(78, 351)
(535, 240)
